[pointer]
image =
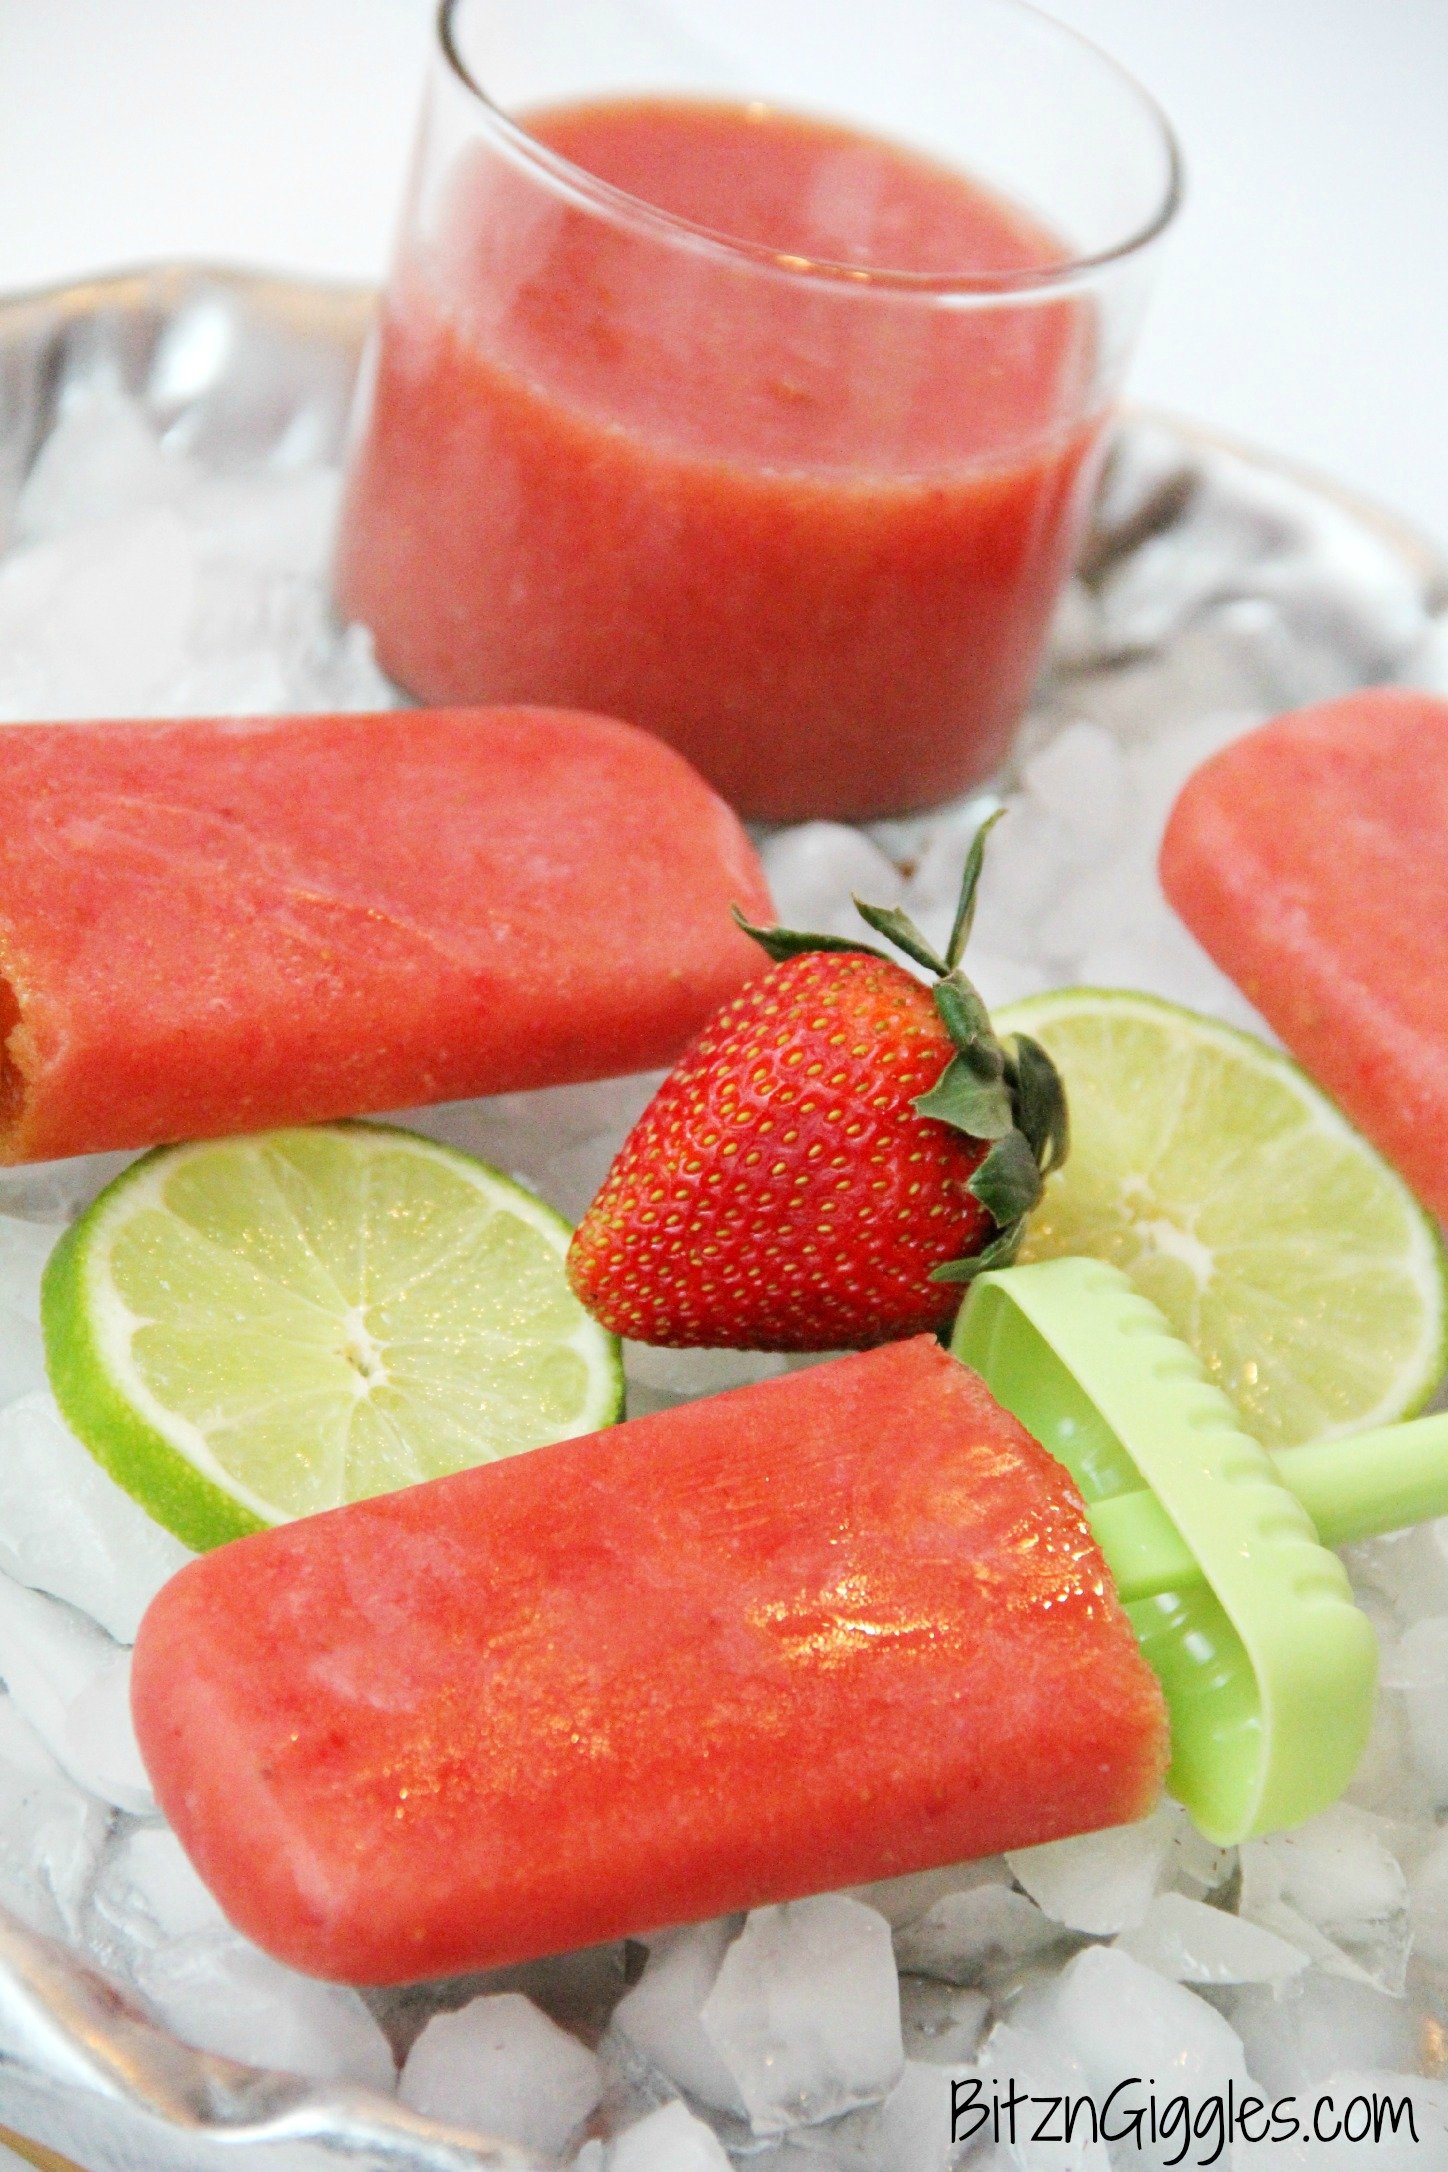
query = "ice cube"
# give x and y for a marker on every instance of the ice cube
(51, 1834)
(1112, 903)
(100, 1740)
(1388, 1779)
(977, 1936)
(668, 2140)
(909, 2132)
(69, 1679)
(1346, 592)
(147, 1889)
(1081, 778)
(1418, 1668)
(1027, 866)
(941, 2023)
(25, 1246)
(1118, 2019)
(1196, 1865)
(67, 1528)
(1150, 483)
(1298, 2034)
(1192, 1943)
(101, 461)
(660, 2015)
(1428, 1903)
(905, 1899)
(939, 856)
(216, 1991)
(814, 869)
(1020, 2059)
(527, 1133)
(22, 1358)
(106, 610)
(1334, 1887)
(501, 2066)
(1099, 1882)
(1426, 663)
(347, 676)
(687, 1373)
(54, 1192)
(1407, 1568)
(276, 524)
(238, 682)
(1364, 2101)
(1001, 980)
(805, 2011)
(570, 1180)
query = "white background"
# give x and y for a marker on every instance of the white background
(1304, 303)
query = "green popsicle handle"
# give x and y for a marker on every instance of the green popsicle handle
(1246, 1617)
(1372, 1482)
(1144, 1550)
(1352, 1489)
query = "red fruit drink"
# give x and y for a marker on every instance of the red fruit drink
(804, 518)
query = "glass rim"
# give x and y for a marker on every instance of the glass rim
(982, 287)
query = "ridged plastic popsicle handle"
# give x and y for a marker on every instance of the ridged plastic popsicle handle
(1351, 1489)
(1267, 1665)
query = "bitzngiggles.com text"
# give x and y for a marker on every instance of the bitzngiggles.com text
(1179, 2129)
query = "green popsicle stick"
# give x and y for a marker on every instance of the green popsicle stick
(1352, 1489)
(1384, 1480)
(1217, 1550)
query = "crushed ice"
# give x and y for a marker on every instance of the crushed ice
(821, 2036)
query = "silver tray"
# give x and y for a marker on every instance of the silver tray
(1195, 539)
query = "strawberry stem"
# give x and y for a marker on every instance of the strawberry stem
(969, 884)
(898, 928)
(782, 943)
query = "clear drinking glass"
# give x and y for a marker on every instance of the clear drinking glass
(743, 372)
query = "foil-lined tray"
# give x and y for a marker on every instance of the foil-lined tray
(1213, 578)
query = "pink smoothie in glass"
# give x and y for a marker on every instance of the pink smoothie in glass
(809, 534)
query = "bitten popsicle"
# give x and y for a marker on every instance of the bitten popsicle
(848, 1623)
(225, 924)
(1311, 859)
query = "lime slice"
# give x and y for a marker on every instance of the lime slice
(1278, 1243)
(252, 1329)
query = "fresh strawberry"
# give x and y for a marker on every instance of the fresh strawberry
(835, 1154)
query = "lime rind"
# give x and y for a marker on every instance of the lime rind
(1238, 1197)
(231, 1371)
(139, 1457)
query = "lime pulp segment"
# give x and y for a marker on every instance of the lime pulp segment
(247, 1330)
(1278, 1243)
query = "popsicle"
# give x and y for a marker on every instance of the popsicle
(224, 924)
(819, 1632)
(844, 1624)
(1311, 859)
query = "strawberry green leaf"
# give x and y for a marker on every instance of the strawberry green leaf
(782, 943)
(1008, 1181)
(969, 883)
(1001, 1250)
(961, 1097)
(967, 1021)
(1039, 1099)
(898, 928)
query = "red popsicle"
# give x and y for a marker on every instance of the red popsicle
(221, 925)
(1311, 859)
(842, 1625)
